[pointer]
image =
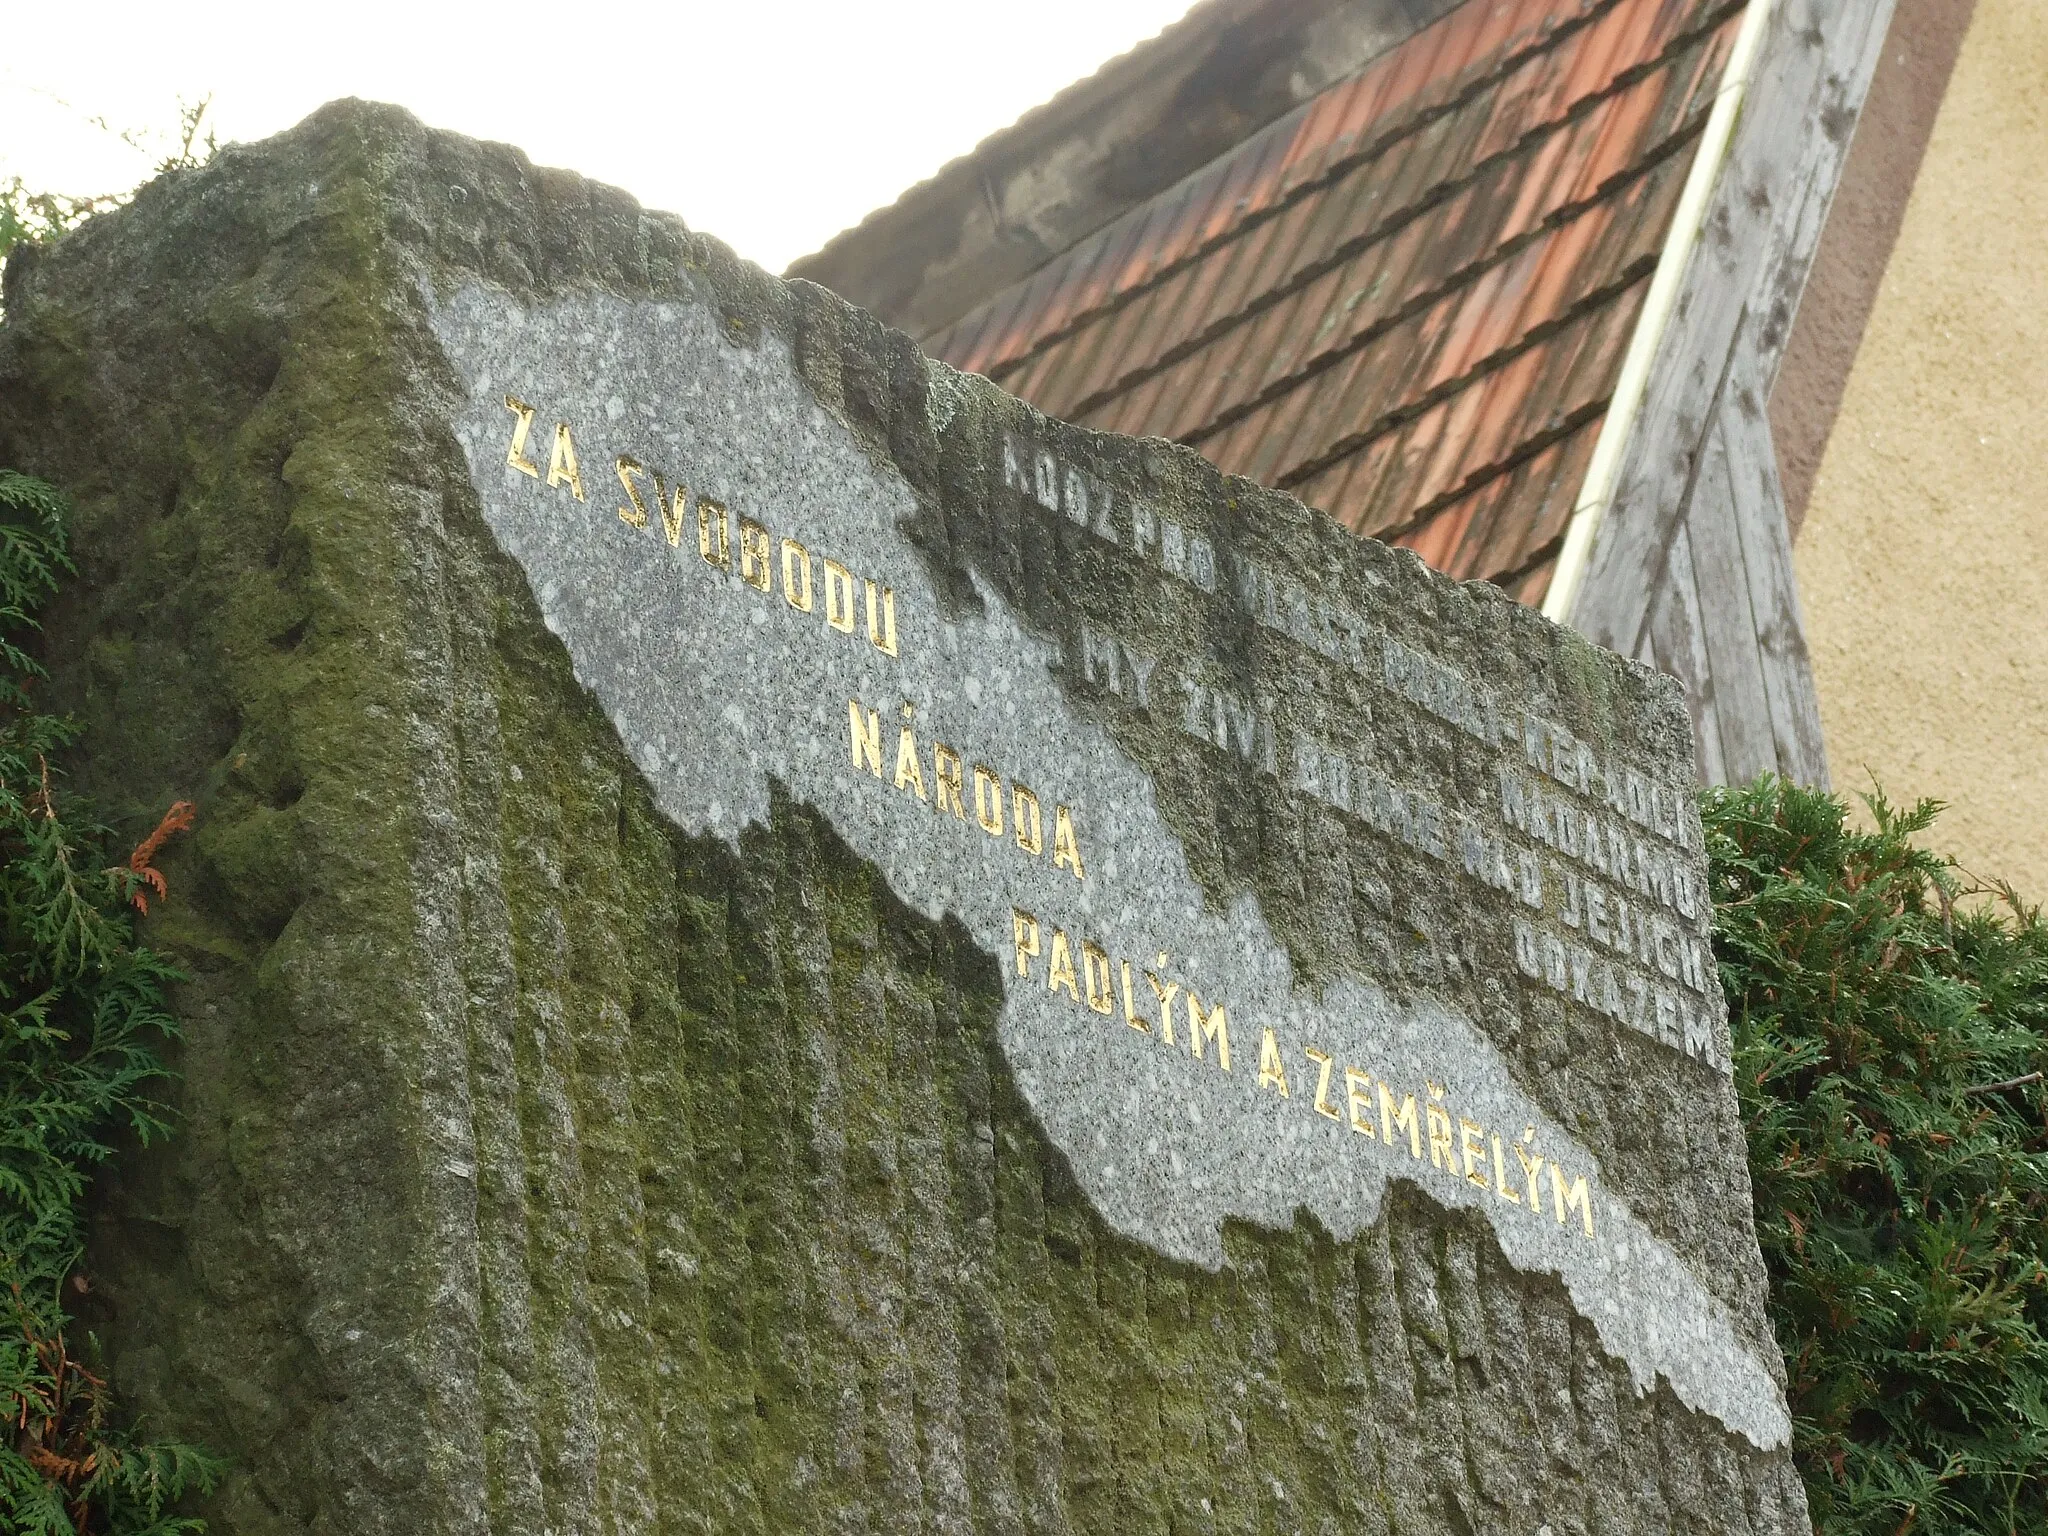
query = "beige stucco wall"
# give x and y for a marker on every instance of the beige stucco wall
(1923, 560)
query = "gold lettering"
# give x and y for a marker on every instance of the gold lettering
(1066, 852)
(1166, 992)
(1531, 1167)
(883, 634)
(1500, 1183)
(1060, 969)
(1131, 1015)
(1322, 1061)
(988, 800)
(672, 508)
(711, 517)
(754, 555)
(1024, 927)
(636, 514)
(1030, 826)
(516, 455)
(864, 737)
(1577, 1199)
(1390, 1120)
(1472, 1146)
(1271, 1069)
(796, 558)
(908, 772)
(1355, 1084)
(562, 468)
(839, 597)
(946, 779)
(1208, 1024)
(1095, 976)
(1441, 1153)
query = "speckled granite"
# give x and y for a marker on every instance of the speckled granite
(778, 940)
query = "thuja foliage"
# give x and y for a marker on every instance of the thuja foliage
(82, 1009)
(1891, 1029)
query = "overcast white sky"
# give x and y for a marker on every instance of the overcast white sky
(770, 126)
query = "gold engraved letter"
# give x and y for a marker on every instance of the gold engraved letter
(636, 514)
(1131, 1015)
(1390, 1120)
(1066, 852)
(1025, 928)
(1271, 1069)
(1472, 1148)
(714, 532)
(754, 555)
(1355, 1085)
(1030, 826)
(562, 463)
(672, 509)
(864, 737)
(1577, 1199)
(1500, 1182)
(882, 626)
(908, 773)
(1060, 969)
(1322, 1061)
(1531, 1167)
(946, 780)
(1095, 977)
(796, 559)
(1442, 1154)
(988, 800)
(1208, 1024)
(1166, 992)
(839, 597)
(516, 455)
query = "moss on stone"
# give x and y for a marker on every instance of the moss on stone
(543, 1170)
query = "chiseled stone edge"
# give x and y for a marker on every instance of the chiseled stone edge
(631, 611)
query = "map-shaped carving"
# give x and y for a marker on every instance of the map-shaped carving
(728, 566)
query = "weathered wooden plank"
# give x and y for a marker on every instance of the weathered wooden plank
(1727, 624)
(1678, 644)
(1752, 258)
(1758, 507)
(1803, 220)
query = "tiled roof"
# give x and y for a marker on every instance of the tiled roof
(1406, 301)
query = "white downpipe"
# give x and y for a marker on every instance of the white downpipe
(1598, 491)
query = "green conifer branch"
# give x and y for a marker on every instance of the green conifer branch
(83, 1010)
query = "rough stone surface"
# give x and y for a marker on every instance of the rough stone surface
(621, 1093)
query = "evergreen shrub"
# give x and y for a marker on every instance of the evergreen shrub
(1891, 1031)
(82, 1010)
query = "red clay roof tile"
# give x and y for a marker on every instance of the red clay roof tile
(1406, 301)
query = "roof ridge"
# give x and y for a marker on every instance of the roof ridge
(1713, 19)
(1187, 20)
(1290, 120)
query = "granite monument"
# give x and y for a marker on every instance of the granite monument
(778, 941)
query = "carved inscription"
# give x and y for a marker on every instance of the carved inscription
(1600, 858)
(955, 785)
(1373, 1104)
(728, 571)
(727, 542)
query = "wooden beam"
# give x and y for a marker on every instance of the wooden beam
(1764, 535)
(1727, 333)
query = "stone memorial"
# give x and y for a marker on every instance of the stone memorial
(778, 942)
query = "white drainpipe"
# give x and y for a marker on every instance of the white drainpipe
(1598, 492)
